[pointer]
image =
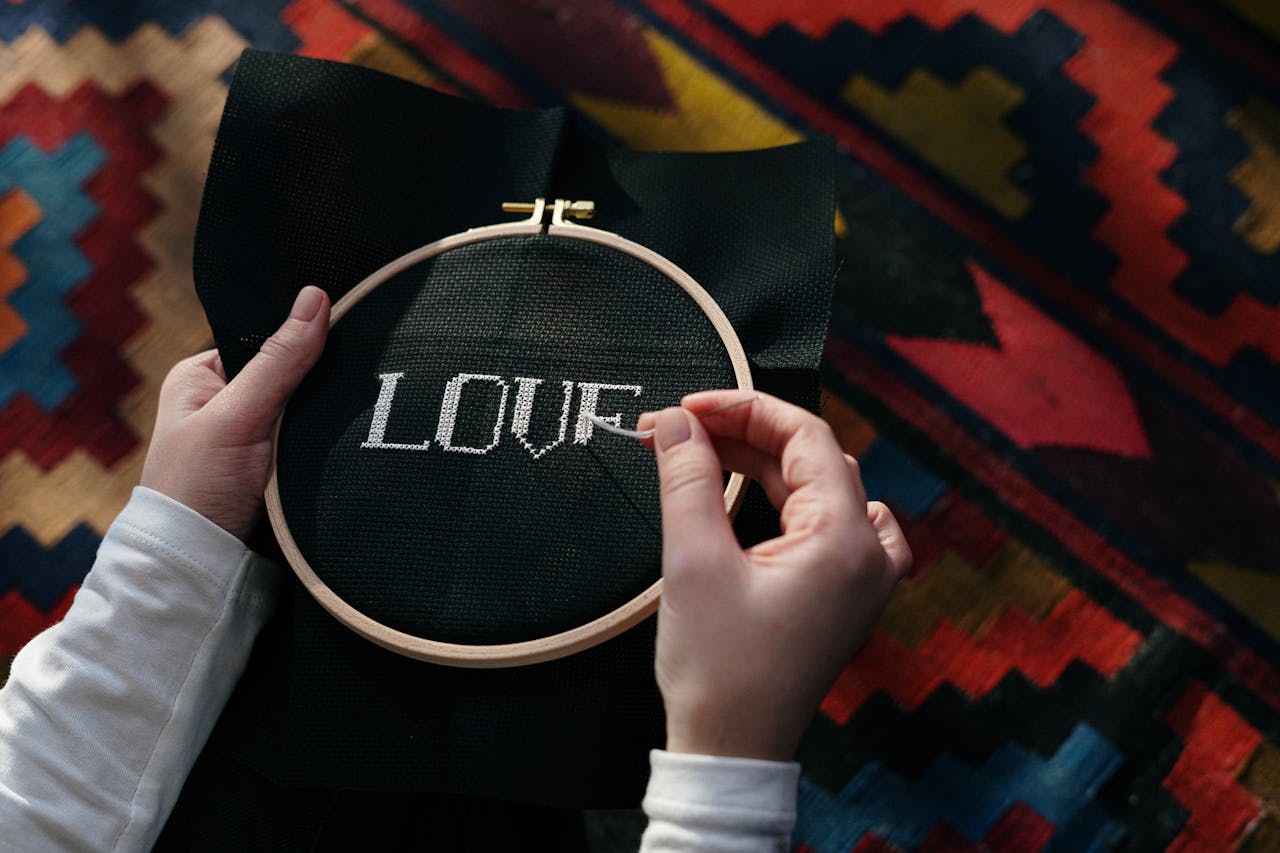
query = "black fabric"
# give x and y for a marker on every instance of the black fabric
(323, 173)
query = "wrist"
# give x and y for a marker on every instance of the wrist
(233, 517)
(730, 736)
(180, 527)
(728, 749)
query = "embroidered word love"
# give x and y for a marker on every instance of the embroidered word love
(526, 390)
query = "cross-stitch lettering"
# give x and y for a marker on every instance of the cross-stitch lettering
(455, 397)
(524, 411)
(449, 412)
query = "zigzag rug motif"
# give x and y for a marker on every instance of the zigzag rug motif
(1054, 349)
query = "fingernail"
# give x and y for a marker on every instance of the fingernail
(307, 305)
(670, 428)
(645, 421)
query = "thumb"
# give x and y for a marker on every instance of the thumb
(251, 403)
(691, 490)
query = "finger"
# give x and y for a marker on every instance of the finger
(190, 384)
(807, 451)
(892, 540)
(691, 490)
(737, 456)
(764, 469)
(254, 399)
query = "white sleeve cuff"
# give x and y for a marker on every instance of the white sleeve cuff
(154, 521)
(713, 803)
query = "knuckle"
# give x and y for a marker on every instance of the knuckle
(834, 533)
(798, 468)
(816, 430)
(826, 525)
(679, 565)
(177, 374)
(176, 382)
(172, 380)
(281, 345)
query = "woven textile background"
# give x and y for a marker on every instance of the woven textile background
(1054, 349)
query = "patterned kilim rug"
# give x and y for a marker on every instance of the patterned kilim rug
(1054, 348)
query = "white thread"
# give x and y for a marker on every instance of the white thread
(590, 398)
(382, 413)
(617, 430)
(528, 387)
(449, 413)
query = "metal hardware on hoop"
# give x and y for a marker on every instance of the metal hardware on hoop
(563, 208)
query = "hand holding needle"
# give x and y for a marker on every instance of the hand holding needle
(642, 434)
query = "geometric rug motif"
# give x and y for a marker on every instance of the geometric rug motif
(150, 106)
(50, 263)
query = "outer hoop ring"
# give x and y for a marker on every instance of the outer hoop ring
(554, 645)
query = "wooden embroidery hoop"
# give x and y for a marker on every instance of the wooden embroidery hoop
(565, 642)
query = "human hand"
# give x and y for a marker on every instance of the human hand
(750, 641)
(211, 447)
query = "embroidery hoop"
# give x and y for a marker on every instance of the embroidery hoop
(562, 643)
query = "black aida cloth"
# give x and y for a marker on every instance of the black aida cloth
(321, 174)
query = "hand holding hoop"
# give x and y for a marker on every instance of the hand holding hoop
(211, 446)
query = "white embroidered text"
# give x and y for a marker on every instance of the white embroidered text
(482, 405)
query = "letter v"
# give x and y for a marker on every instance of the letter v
(524, 411)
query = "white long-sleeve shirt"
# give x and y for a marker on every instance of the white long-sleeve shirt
(104, 714)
